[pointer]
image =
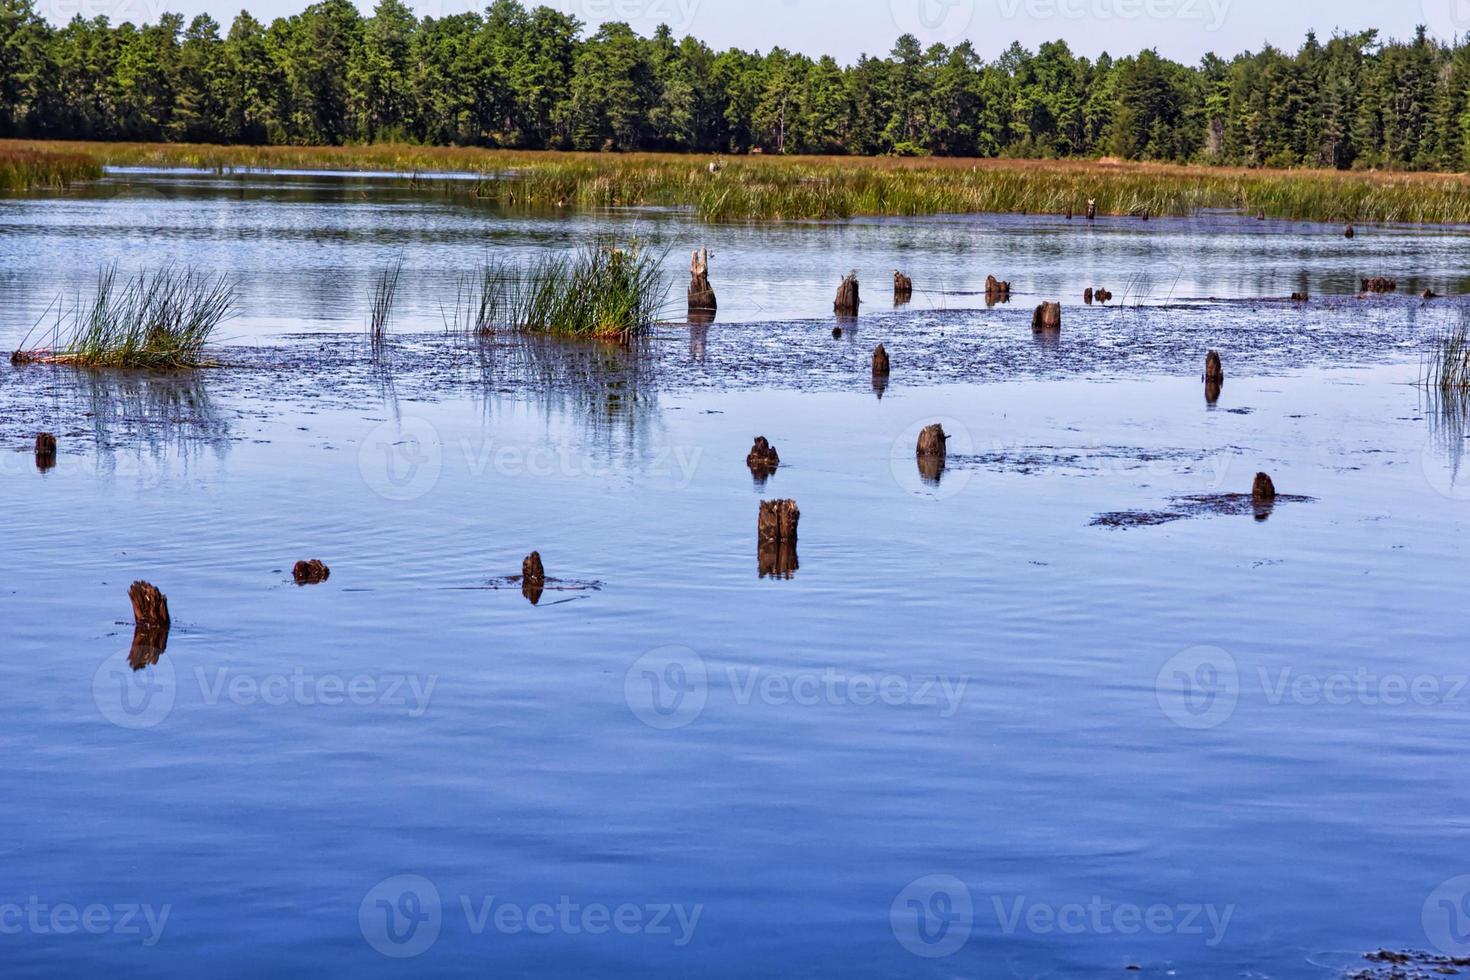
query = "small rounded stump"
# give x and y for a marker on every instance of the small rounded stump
(1430, 294)
(931, 443)
(1380, 284)
(777, 521)
(150, 606)
(1300, 297)
(312, 572)
(1349, 233)
(903, 287)
(1102, 296)
(1048, 317)
(763, 455)
(996, 291)
(880, 362)
(1087, 295)
(1263, 490)
(848, 300)
(532, 572)
(1214, 369)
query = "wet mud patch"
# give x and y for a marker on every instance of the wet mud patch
(1386, 964)
(1030, 460)
(1199, 505)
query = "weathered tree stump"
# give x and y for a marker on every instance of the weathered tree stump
(1380, 284)
(836, 333)
(1263, 490)
(1092, 209)
(903, 288)
(701, 294)
(1429, 294)
(45, 451)
(763, 456)
(880, 361)
(996, 291)
(312, 572)
(1047, 317)
(777, 559)
(532, 571)
(777, 521)
(1214, 369)
(150, 606)
(1102, 296)
(1349, 233)
(932, 442)
(847, 300)
(1087, 296)
(1300, 297)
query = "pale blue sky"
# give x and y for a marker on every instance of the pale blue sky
(1183, 29)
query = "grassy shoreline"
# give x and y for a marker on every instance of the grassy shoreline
(27, 166)
(765, 188)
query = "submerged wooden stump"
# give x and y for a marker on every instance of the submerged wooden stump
(1087, 296)
(996, 291)
(903, 287)
(1349, 233)
(45, 451)
(532, 571)
(763, 456)
(701, 293)
(1214, 368)
(880, 362)
(1300, 297)
(777, 521)
(1102, 296)
(1429, 294)
(1047, 318)
(150, 606)
(312, 572)
(1380, 284)
(932, 442)
(847, 300)
(1092, 209)
(1263, 490)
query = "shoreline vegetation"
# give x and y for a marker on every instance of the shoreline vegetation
(34, 166)
(751, 188)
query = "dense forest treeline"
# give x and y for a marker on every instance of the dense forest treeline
(513, 77)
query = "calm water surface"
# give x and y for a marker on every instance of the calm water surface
(970, 735)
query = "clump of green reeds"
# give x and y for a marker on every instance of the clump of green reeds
(157, 320)
(1447, 368)
(601, 291)
(385, 294)
(25, 169)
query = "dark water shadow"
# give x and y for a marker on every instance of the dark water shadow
(1199, 505)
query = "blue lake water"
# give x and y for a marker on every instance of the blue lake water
(968, 734)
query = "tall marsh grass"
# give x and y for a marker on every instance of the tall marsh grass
(159, 320)
(1447, 367)
(23, 169)
(774, 187)
(600, 291)
(385, 295)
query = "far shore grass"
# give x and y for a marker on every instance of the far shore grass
(750, 188)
